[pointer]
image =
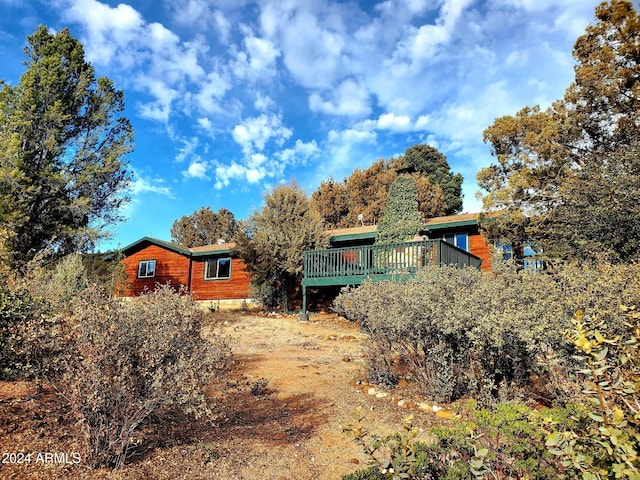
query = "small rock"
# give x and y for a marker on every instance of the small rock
(346, 358)
(372, 391)
(402, 403)
(424, 406)
(382, 395)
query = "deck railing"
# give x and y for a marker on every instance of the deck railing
(394, 259)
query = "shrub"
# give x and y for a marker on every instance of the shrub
(501, 442)
(131, 359)
(606, 441)
(461, 332)
(16, 308)
(457, 331)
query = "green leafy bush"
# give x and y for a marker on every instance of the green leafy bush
(502, 442)
(457, 331)
(606, 441)
(460, 332)
(131, 359)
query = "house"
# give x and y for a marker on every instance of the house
(352, 256)
(212, 274)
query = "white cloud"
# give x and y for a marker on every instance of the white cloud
(109, 29)
(197, 169)
(143, 184)
(211, 92)
(235, 171)
(258, 59)
(189, 147)
(300, 154)
(255, 132)
(349, 99)
(263, 102)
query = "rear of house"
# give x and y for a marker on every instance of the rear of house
(214, 275)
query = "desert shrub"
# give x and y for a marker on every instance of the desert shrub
(461, 332)
(458, 331)
(132, 359)
(605, 443)
(502, 442)
(16, 308)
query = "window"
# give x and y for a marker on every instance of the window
(147, 269)
(459, 240)
(217, 268)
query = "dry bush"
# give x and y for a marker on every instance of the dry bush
(460, 332)
(129, 360)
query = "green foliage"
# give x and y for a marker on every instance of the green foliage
(365, 192)
(433, 165)
(62, 143)
(272, 242)
(502, 442)
(567, 179)
(606, 441)
(16, 309)
(130, 360)
(392, 457)
(204, 227)
(460, 332)
(401, 220)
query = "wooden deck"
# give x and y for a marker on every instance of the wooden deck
(394, 262)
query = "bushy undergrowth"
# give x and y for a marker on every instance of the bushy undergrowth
(116, 362)
(460, 332)
(502, 442)
(131, 359)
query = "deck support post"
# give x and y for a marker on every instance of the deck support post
(304, 316)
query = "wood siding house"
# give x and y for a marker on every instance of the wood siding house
(212, 274)
(353, 258)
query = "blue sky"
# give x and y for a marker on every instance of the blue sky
(230, 97)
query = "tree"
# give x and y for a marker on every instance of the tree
(401, 220)
(62, 148)
(204, 227)
(272, 241)
(567, 179)
(331, 201)
(365, 193)
(432, 164)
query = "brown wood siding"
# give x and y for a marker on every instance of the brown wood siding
(170, 267)
(237, 287)
(479, 248)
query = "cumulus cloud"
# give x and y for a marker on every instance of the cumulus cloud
(254, 133)
(257, 61)
(349, 99)
(197, 169)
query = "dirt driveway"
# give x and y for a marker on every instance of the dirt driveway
(280, 413)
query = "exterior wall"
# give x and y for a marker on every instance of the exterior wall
(170, 267)
(236, 287)
(479, 248)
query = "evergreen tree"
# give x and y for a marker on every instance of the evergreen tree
(62, 145)
(401, 220)
(567, 179)
(204, 227)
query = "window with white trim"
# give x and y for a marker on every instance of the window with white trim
(217, 268)
(147, 269)
(460, 240)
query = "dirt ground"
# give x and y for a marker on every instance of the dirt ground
(280, 412)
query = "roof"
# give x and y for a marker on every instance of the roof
(436, 223)
(181, 249)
